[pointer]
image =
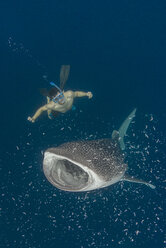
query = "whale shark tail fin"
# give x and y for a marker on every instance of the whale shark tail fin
(136, 180)
(123, 129)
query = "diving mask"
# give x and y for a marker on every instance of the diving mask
(60, 97)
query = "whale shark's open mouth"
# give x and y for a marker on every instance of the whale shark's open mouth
(68, 175)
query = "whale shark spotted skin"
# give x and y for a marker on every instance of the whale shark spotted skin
(89, 165)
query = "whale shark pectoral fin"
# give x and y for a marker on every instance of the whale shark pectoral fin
(123, 128)
(135, 180)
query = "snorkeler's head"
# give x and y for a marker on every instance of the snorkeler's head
(58, 96)
(53, 92)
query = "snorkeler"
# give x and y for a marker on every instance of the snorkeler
(59, 101)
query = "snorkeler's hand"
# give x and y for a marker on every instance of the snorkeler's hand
(30, 119)
(89, 94)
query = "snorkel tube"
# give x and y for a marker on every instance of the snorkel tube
(60, 97)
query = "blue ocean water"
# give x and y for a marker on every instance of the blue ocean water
(117, 50)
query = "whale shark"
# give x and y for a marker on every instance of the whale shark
(90, 164)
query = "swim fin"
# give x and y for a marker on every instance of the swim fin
(64, 74)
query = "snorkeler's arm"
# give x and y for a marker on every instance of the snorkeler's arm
(38, 113)
(81, 94)
(48, 110)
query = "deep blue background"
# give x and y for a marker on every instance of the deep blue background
(117, 50)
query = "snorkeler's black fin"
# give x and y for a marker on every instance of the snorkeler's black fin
(44, 92)
(55, 113)
(64, 74)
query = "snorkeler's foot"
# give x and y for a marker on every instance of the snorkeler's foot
(30, 119)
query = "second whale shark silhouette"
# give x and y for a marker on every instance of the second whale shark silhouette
(89, 165)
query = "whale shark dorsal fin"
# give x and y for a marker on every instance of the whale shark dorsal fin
(136, 180)
(115, 134)
(123, 128)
